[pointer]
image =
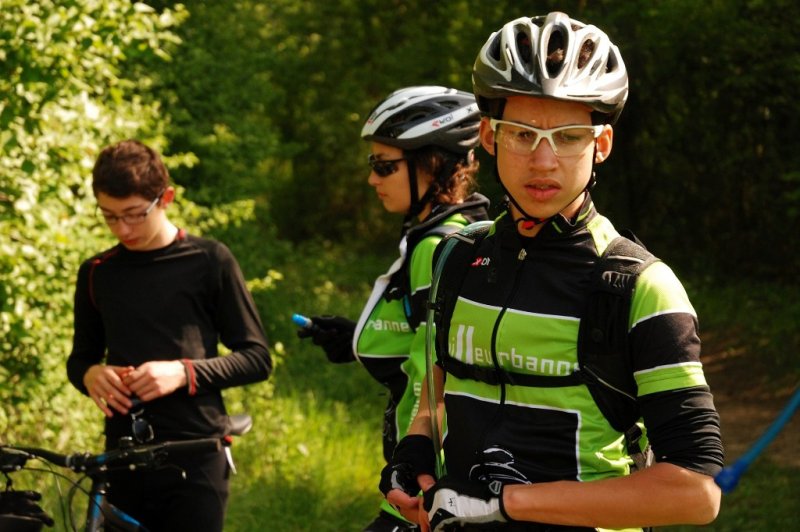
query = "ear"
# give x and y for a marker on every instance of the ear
(167, 197)
(487, 136)
(604, 143)
(424, 180)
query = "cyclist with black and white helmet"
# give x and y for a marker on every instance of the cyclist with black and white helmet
(520, 454)
(423, 167)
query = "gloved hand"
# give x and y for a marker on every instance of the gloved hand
(452, 502)
(23, 504)
(334, 334)
(414, 455)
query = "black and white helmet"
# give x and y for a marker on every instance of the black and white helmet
(414, 117)
(553, 57)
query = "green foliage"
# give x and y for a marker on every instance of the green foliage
(292, 84)
(273, 107)
(701, 166)
(64, 97)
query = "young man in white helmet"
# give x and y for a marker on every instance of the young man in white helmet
(421, 156)
(522, 456)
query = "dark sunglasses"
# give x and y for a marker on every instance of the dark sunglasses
(140, 427)
(383, 167)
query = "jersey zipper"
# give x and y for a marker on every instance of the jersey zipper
(520, 260)
(500, 371)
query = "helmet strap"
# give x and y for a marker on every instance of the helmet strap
(416, 205)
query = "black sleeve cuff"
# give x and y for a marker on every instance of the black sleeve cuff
(684, 429)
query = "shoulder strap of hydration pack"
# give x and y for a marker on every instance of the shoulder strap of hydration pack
(400, 283)
(451, 259)
(604, 354)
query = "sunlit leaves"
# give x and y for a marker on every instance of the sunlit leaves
(66, 90)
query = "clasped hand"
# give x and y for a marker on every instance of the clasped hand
(111, 387)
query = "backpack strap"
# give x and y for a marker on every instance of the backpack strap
(603, 351)
(400, 283)
(604, 355)
(456, 252)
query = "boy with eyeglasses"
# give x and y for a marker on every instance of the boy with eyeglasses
(149, 313)
(524, 456)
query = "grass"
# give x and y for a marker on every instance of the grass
(314, 461)
(325, 479)
(762, 314)
(765, 499)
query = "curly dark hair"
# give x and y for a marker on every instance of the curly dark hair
(454, 176)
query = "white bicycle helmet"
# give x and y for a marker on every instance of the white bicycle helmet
(414, 117)
(552, 56)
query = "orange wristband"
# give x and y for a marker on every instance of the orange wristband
(191, 382)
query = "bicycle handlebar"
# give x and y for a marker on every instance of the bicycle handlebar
(138, 457)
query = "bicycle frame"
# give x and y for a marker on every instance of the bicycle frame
(100, 513)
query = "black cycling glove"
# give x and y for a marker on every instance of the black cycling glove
(334, 334)
(414, 455)
(23, 504)
(452, 502)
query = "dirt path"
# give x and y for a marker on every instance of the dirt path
(748, 401)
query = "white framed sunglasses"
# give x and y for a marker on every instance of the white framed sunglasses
(523, 139)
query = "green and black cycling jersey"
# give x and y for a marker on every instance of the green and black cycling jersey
(519, 309)
(390, 336)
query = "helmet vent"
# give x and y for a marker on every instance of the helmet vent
(587, 49)
(611, 64)
(524, 48)
(494, 50)
(449, 104)
(402, 120)
(555, 52)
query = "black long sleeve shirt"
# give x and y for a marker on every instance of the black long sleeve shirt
(177, 302)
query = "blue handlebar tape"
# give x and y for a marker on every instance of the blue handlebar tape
(302, 321)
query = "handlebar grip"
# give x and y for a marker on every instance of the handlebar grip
(54, 458)
(193, 446)
(12, 459)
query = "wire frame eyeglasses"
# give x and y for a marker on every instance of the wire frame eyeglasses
(523, 139)
(383, 167)
(134, 218)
